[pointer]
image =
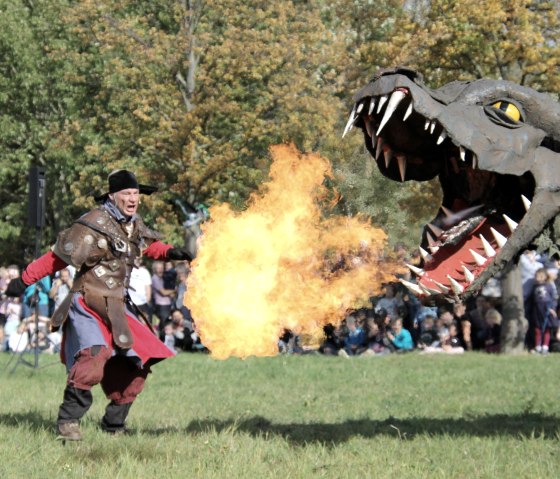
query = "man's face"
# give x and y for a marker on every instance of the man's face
(126, 200)
(65, 276)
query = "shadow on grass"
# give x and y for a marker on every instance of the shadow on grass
(519, 425)
(32, 420)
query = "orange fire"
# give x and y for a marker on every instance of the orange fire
(280, 264)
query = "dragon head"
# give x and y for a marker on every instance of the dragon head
(495, 148)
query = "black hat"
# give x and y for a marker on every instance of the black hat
(122, 180)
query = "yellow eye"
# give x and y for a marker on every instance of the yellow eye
(509, 109)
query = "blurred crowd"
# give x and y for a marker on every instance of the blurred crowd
(396, 321)
(157, 296)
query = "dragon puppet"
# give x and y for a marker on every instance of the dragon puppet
(495, 148)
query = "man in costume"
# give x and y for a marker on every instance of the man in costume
(106, 339)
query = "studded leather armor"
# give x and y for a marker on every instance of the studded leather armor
(103, 252)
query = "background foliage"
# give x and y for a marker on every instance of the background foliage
(191, 93)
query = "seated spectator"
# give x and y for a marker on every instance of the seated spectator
(355, 338)
(334, 340)
(400, 337)
(12, 308)
(389, 301)
(167, 335)
(448, 343)
(183, 331)
(376, 336)
(493, 331)
(18, 340)
(478, 323)
(463, 325)
(428, 332)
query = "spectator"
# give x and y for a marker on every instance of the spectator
(182, 270)
(4, 279)
(167, 335)
(542, 305)
(389, 302)
(528, 265)
(61, 287)
(162, 296)
(478, 323)
(493, 330)
(376, 336)
(400, 337)
(448, 343)
(140, 288)
(38, 291)
(18, 339)
(334, 340)
(355, 339)
(428, 332)
(463, 325)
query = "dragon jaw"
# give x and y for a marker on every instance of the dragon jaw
(500, 175)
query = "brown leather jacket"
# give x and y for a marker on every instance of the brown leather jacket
(103, 252)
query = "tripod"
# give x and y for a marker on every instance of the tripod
(32, 335)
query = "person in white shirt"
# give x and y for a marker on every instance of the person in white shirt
(140, 289)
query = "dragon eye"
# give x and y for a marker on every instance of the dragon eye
(509, 109)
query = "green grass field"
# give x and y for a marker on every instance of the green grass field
(470, 416)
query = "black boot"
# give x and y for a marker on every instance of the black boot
(113, 422)
(75, 404)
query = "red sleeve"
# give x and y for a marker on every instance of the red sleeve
(157, 250)
(45, 265)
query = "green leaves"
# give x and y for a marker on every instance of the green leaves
(191, 94)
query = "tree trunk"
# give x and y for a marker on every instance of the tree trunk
(514, 323)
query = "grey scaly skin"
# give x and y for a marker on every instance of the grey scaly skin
(489, 162)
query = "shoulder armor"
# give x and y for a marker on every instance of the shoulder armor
(146, 233)
(80, 244)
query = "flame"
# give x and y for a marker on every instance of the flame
(279, 264)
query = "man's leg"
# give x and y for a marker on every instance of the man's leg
(122, 382)
(86, 372)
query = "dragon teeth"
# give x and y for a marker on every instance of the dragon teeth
(396, 97)
(413, 287)
(437, 231)
(432, 127)
(444, 289)
(469, 276)
(416, 269)
(350, 123)
(382, 101)
(408, 112)
(360, 108)
(442, 136)
(402, 165)
(526, 202)
(371, 106)
(488, 250)
(426, 124)
(500, 238)
(380, 144)
(462, 153)
(388, 153)
(455, 286)
(427, 257)
(511, 224)
(478, 258)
